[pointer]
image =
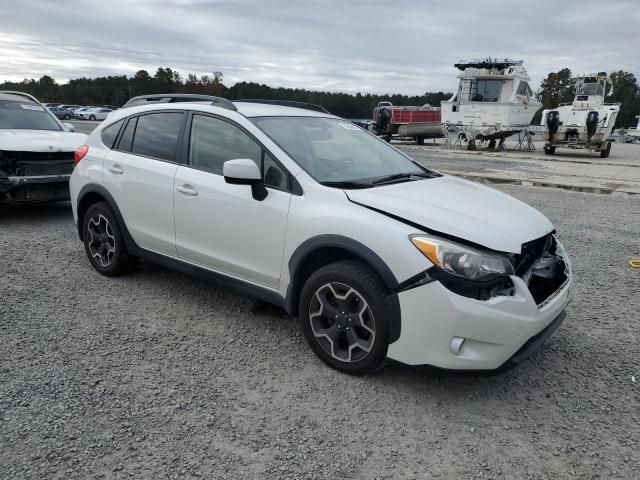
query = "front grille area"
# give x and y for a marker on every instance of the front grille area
(21, 164)
(541, 268)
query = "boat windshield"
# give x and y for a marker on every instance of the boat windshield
(483, 90)
(590, 87)
(338, 153)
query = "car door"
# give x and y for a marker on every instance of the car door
(219, 225)
(139, 173)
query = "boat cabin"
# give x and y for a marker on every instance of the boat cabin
(492, 81)
(591, 88)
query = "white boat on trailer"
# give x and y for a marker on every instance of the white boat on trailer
(584, 124)
(493, 102)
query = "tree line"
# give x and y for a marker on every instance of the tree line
(556, 88)
(116, 90)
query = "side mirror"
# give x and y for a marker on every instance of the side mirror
(244, 171)
(69, 126)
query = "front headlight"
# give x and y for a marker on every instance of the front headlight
(460, 260)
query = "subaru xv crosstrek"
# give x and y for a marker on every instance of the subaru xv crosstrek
(378, 257)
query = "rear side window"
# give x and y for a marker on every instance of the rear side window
(110, 133)
(157, 135)
(127, 136)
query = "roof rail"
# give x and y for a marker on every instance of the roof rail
(179, 97)
(287, 103)
(22, 94)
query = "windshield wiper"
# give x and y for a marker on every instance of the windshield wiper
(347, 184)
(397, 177)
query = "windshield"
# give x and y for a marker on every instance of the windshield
(337, 151)
(25, 116)
(590, 87)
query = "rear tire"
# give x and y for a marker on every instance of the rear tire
(549, 150)
(104, 243)
(344, 313)
(420, 140)
(606, 151)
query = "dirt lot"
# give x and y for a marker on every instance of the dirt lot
(158, 375)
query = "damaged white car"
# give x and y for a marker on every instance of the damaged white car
(378, 257)
(36, 151)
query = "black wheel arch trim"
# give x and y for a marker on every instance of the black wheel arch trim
(104, 193)
(310, 245)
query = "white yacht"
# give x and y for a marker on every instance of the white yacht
(493, 101)
(587, 122)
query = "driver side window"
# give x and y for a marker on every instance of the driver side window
(214, 141)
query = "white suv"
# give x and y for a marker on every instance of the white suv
(378, 257)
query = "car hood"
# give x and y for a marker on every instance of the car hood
(459, 208)
(40, 140)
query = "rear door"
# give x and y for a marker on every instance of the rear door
(219, 225)
(139, 173)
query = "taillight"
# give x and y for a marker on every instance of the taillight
(80, 153)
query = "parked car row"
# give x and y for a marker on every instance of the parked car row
(70, 112)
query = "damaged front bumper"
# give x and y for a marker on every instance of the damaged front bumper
(34, 188)
(454, 331)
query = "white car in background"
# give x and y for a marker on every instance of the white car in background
(377, 256)
(36, 151)
(82, 109)
(98, 113)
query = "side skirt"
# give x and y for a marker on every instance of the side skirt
(250, 289)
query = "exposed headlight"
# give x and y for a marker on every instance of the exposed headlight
(460, 260)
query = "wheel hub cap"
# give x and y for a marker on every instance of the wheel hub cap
(342, 322)
(101, 241)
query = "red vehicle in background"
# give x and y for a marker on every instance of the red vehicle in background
(407, 122)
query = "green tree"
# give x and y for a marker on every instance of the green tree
(625, 90)
(141, 83)
(165, 80)
(557, 88)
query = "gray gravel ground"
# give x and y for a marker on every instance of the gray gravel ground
(158, 375)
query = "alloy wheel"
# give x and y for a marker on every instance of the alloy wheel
(101, 241)
(342, 322)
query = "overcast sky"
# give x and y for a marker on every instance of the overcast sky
(341, 45)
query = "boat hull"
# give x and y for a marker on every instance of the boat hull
(572, 130)
(489, 119)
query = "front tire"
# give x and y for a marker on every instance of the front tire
(549, 150)
(104, 243)
(92, 117)
(344, 311)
